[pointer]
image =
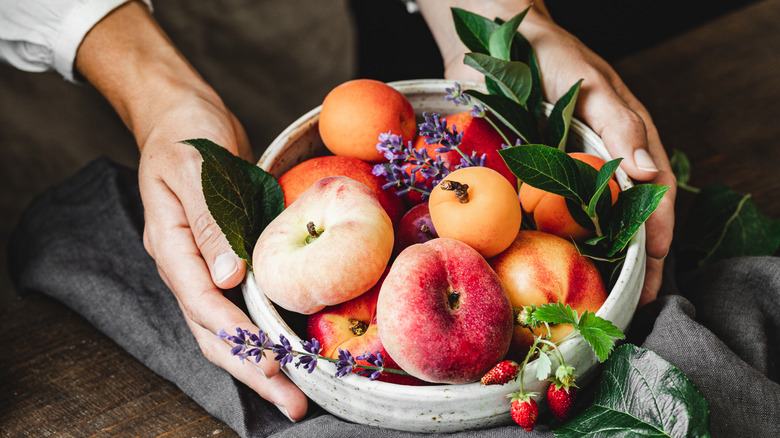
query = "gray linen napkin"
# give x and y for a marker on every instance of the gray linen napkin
(80, 243)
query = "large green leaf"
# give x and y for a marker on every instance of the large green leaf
(560, 117)
(500, 41)
(641, 395)
(510, 113)
(547, 169)
(602, 184)
(512, 77)
(631, 210)
(473, 30)
(723, 223)
(241, 197)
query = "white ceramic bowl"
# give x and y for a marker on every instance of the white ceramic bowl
(435, 408)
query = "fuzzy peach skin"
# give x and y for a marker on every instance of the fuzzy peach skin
(443, 313)
(352, 326)
(488, 221)
(296, 180)
(354, 113)
(348, 257)
(541, 268)
(550, 213)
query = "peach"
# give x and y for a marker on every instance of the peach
(478, 206)
(541, 268)
(549, 211)
(298, 179)
(354, 113)
(331, 245)
(443, 313)
(352, 326)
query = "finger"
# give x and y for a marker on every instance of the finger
(653, 278)
(277, 389)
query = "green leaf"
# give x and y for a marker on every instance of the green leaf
(513, 115)
(592, 250)
(500, 41)
(723, 223)
(547, 169)
(241, 197)
(631, 210)
(512, 77)
(560, 118)
(543, 366)
(473, 30)
(641, 394)
(602, 182)
(599, 333)
(556, 313)
(681, 166)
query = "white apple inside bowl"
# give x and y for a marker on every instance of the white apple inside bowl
(432, 408)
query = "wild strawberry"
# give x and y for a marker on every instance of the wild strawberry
(562, 393)
(524, 410)
(501, 373)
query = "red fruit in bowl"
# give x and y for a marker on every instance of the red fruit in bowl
(561, 400)
(352, 326)
(415, 226)
(524, 411)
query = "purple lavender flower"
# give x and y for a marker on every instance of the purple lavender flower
(346, 363)
(374, 359)
(436, 131)
(283, 351)
(478, 110)
(472, 161)
(309, 362)
(456, 96)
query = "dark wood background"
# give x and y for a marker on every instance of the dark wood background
(713, 92)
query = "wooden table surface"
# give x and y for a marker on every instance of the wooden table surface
(713, 93)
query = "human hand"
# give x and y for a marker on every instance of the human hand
(163, 101)
(604, 103)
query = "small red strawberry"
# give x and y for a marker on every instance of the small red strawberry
(562, 393)
(524, 410)
(501, 373)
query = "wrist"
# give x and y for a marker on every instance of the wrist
(133, 64)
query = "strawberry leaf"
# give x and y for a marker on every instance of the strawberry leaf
(556, 313)
(241, 197)
(599, 333)
(559, 121)
(543, 366)
(547, 169)
(641, 394)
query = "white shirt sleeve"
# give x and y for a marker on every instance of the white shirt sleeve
(43, 35)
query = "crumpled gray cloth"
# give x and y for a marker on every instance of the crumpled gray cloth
(80, 243)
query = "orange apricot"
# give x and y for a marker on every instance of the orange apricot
(477, 206)
(550, 213)
(354, 113)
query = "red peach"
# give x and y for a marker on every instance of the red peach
(415, 226)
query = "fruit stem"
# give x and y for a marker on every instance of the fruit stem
(427, 231)
(357, 326)
(461, 190)
(500, 132)
(313, 233)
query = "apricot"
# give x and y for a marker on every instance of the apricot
(354, 113)
(550, 213)
(477, 206)
(541, 268)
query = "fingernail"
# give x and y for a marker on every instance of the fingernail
(283, 410)
(260, 369)
(643, 161)
(224, 266)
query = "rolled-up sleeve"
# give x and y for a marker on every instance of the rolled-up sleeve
(43, 35)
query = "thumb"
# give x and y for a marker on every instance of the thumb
(226, 268)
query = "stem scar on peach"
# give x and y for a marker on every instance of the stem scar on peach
(477, 206)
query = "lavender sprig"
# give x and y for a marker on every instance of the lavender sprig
(249, 344)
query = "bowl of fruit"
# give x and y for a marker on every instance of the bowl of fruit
(414, 261)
